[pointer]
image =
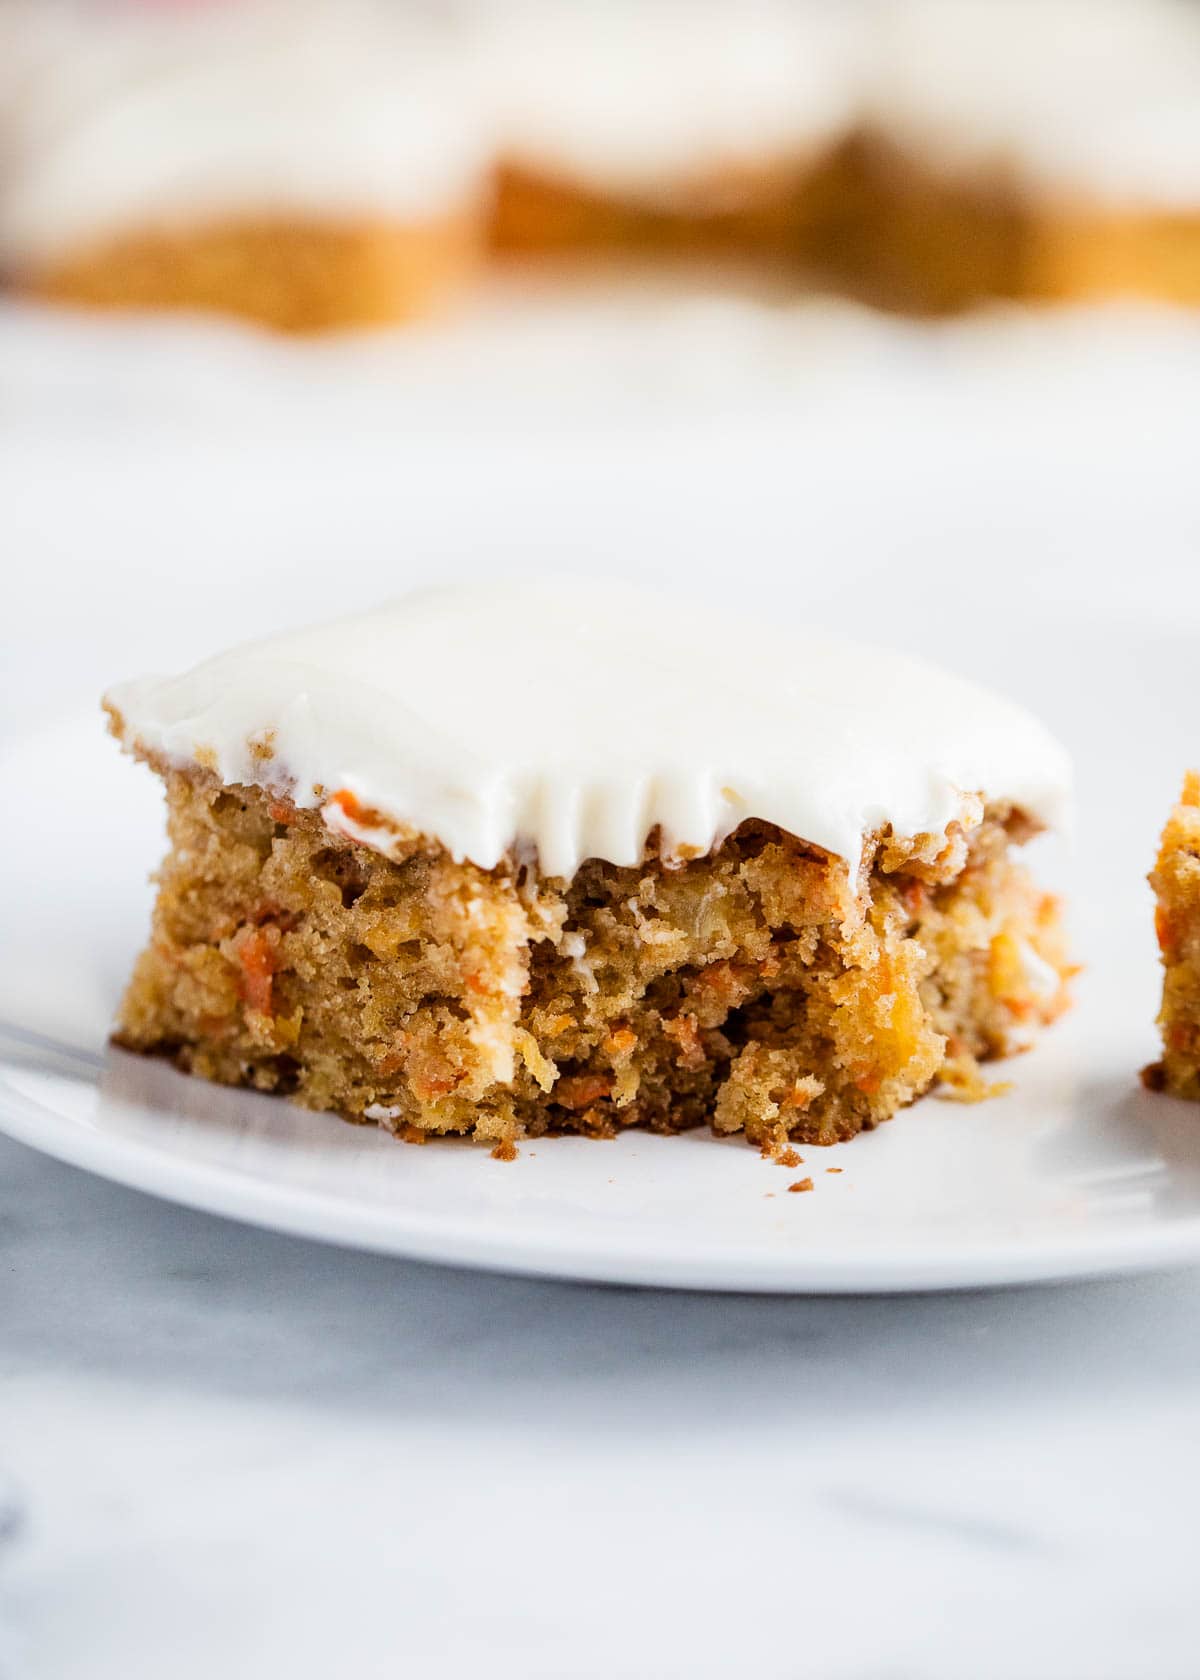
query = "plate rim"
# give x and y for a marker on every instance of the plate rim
(220, 1190)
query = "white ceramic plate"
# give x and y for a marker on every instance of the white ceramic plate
(1076, 1172)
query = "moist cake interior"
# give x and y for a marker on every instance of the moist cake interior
(756, 988)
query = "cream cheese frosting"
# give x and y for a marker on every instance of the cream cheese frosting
(1094, 100)
(575, 718)
(644, 98)
(115, 115)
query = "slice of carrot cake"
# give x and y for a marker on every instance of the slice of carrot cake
(516, 858)
(643, 126)
(1176, 882)
(1029, 152)
(303, 165)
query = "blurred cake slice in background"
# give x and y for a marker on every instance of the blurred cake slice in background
(659, 126)
(1047, 151)
(311, 165)
(306, 166)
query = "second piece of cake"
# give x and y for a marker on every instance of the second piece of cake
(1176, 882)
(567, 856)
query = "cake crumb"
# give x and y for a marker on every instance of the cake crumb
(789, 1158)
(801, 1184)
(261, 746)
(505, 1150)
(413, 1134)
(834, 1169)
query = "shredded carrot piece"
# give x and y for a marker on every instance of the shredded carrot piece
(580, 1090)
(621, 1041)
(257, 957)
(349, 805)
(1164, 928)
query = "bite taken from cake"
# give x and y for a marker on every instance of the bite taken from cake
(559, 856)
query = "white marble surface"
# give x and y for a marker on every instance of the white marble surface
(242, 1454)
(235, 1454)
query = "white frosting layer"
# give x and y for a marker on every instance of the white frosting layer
(644, 98)
(115, 115)
(576, 718)
(1097, 100)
